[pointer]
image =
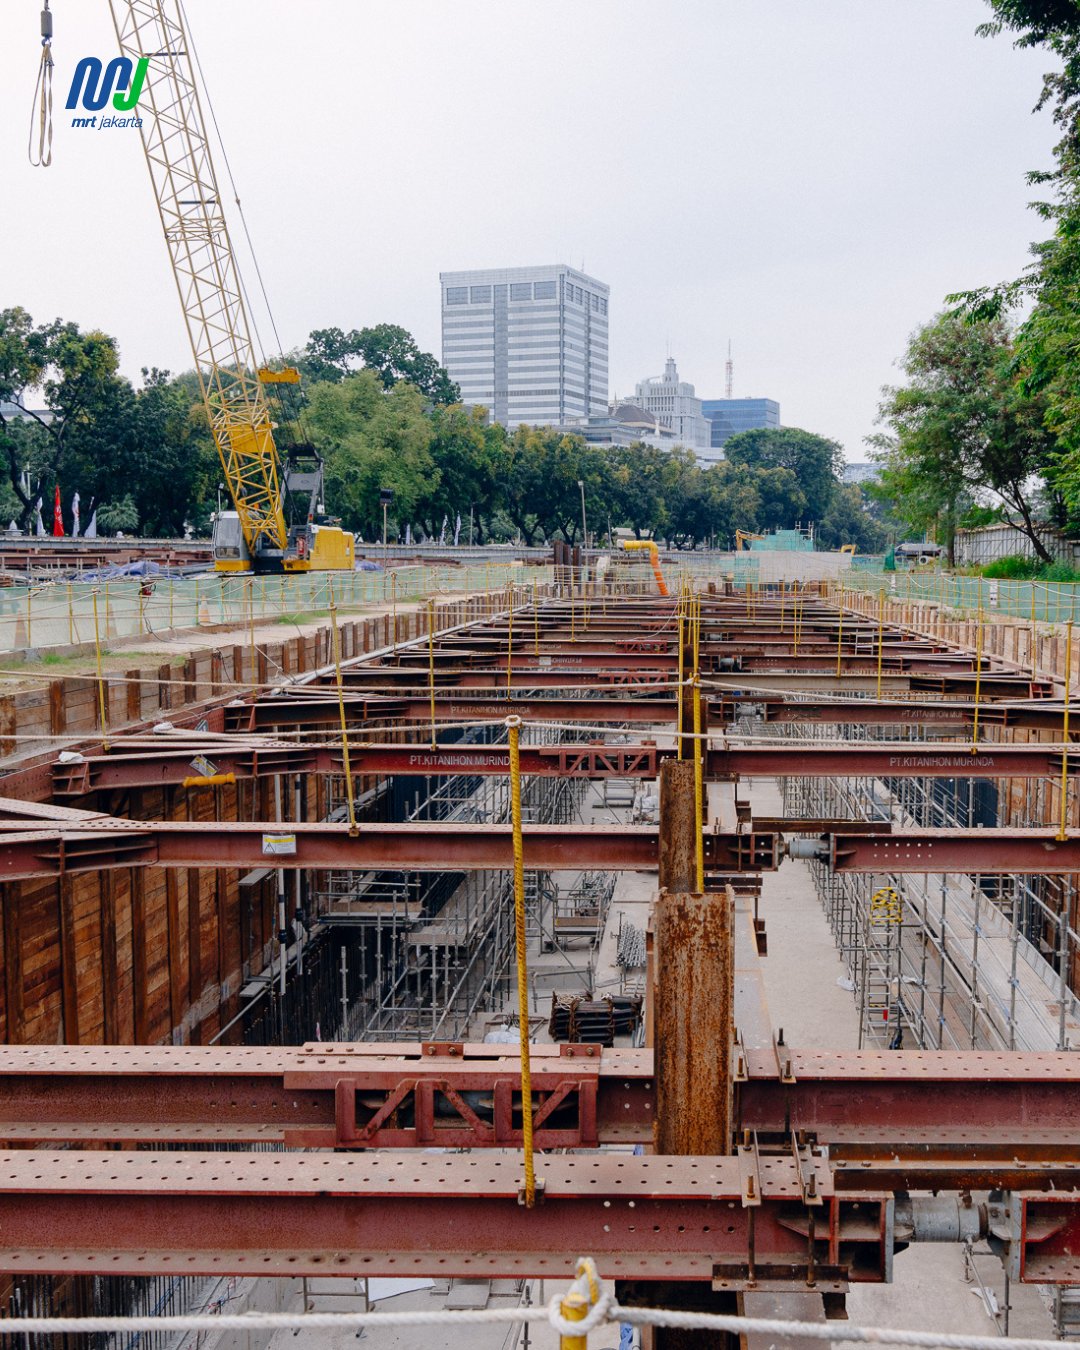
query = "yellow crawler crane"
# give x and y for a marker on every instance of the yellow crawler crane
(278, 525)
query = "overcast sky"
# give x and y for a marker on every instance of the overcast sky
(808, 178)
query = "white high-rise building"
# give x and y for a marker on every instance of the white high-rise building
(529, 343)
(672, 401)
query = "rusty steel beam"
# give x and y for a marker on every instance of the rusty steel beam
(1044, 715)
(976, 852)
(293, 1214)
(32, 848)
(891, 759)
(359, 1096)
(154, 766)
(919, 1113)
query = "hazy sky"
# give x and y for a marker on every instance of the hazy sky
(808, 178)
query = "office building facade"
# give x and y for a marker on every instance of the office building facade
(673, 401)
(528, 343)
(728, 416)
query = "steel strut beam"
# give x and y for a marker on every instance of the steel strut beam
(43, 848)
(389, 1213)
(152, 766)
(896, 1120)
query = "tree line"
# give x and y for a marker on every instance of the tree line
(987, 425)
(385, 415)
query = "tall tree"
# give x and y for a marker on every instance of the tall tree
(387, 349)
(81, 431)
(815, 461)
(965, 423)
(372, 439)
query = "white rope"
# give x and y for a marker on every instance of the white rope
(605, 1310)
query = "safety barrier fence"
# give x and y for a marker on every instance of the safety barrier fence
(1037, 601)
(59, 614)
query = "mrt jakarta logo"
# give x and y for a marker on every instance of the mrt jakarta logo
(92, 86)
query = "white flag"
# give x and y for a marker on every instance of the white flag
(75, 516)
(408, 535)
(91, 529)
(442, 532)
(457, 529)
(40, 525)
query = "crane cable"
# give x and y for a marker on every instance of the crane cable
(43, 98)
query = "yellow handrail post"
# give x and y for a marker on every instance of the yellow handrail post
(840, 630)
(102, 703)
(251, 632)
(510, 639)
(349, 794)
(978, 679)
(1065, 735)
(880, 627)
(431, 667)
(513, 727)
(679, 684)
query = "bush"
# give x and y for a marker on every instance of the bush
(1018, 568)
(1014, 568)
(1059, 571)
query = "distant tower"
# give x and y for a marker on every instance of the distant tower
(729, 371)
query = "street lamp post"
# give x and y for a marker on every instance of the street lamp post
(386, 496)
(584, 528)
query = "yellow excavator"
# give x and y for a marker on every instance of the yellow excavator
(278, 523)
(743, 537)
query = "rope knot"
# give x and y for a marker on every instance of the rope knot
(587, 1287)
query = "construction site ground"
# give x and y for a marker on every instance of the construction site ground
(931, 1290)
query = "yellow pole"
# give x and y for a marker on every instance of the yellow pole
(102, 709)
(350, 804)
(513, 726)
(29, 614)
(172, 593)
(536, 619)
(510, 641)
(393, 605)
(699, 788)
(431, 667)
(574, 1307)
(679, 685)
(978, 678)
(1065, 734)
(880, 625)
(71, 615)
(251, 632)
(840, 630)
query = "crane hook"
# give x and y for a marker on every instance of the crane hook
(41, 108)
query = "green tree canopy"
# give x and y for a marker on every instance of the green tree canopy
(373, 438)
(815, 462)
(388, 350)
(964, 423)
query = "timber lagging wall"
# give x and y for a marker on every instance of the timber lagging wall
(153, 955)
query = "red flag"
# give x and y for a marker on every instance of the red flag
(58, 516)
